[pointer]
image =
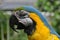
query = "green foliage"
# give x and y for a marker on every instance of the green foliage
(48, 5)
(3, 20)
(51, 6)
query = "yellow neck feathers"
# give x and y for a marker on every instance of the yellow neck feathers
(41, 32)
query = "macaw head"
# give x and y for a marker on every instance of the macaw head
(22, 20)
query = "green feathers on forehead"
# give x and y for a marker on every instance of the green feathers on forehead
(21, 8)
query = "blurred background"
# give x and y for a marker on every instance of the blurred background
(49, 8)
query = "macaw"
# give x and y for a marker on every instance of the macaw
(38, 29)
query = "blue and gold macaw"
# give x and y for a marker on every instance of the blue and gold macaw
(41, 30)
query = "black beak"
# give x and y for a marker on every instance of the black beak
(12, 21)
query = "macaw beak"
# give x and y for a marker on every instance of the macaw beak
(11, 23)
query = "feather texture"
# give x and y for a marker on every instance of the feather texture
(42, 32)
